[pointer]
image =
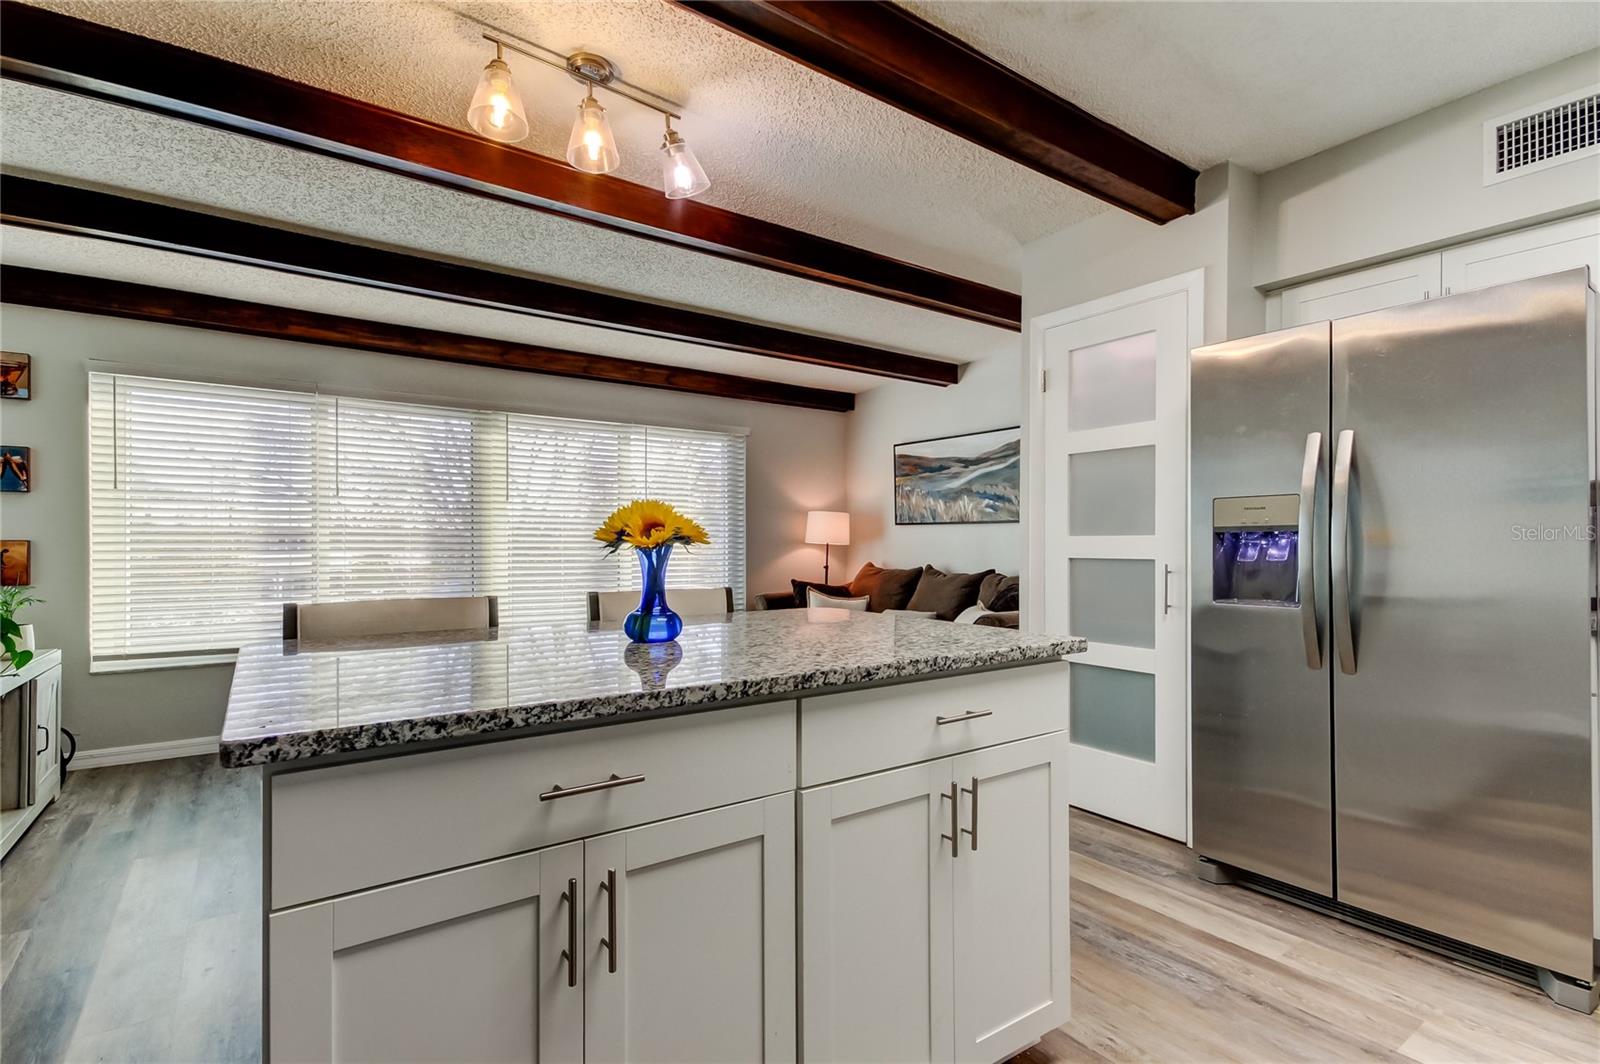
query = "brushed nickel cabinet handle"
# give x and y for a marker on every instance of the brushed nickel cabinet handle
(570, 954)
(973, 831)
(955, 819)
(959, 717)
(609, 943)
(615, 780)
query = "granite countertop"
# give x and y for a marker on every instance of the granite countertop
(301, 700)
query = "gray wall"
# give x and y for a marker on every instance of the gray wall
(796, 463)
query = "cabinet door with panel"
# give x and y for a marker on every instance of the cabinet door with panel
(484, 963)
(1010, 900)
(1525, 254)
(876, 919)
(1392, 284)
(47, 731)
(689, 945)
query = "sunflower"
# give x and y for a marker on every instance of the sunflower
(646, 523)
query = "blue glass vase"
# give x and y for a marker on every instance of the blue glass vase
(653, 621)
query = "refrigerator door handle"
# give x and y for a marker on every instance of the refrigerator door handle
(1344, 457)
(1310, 478)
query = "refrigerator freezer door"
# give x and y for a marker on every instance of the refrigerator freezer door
(1461, 697)
(1261, 718)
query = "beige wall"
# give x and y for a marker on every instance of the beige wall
(796, 462)
(988, 397)
(1416, 185)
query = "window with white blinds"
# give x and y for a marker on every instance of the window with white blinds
(212, 505)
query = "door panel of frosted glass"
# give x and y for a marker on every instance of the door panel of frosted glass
(1114, 710)
(1113, 600)
(1113, 383)
(1112, 493)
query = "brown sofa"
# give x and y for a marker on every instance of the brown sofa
(927, 589)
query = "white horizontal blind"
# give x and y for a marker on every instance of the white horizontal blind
(201, 514)
(211, 505)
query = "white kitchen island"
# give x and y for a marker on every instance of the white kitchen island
(807, 835)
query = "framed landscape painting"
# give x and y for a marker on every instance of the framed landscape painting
(958, 480)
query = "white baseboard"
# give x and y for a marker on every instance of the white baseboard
(127, 755)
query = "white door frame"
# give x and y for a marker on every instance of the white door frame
(1034, 459)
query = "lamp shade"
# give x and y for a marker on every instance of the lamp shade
(827, 526)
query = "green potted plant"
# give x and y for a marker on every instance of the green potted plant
(16, 640)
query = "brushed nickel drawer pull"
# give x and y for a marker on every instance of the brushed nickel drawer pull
(570, 954)
(959, 717)
(973, 831)
(615, 780)
(955, 819)
(609, 943)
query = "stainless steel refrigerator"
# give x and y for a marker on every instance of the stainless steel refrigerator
(1393, 580)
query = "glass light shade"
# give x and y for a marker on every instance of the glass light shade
(496, 110)
(592, 148)
(681, 175)
(827, 526)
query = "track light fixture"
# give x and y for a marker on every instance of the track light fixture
(496, 112)
(681, 175)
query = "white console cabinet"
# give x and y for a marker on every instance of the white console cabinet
(30, 744)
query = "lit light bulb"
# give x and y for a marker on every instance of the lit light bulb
(591, 148)
(496, 109)
(681, 174)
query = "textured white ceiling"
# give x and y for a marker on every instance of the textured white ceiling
(1261, 84)
(1264, 84)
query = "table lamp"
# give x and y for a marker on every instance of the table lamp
(827, 527)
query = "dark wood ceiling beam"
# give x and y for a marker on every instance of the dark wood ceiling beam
(883, 50)
(29, 287)
(61, 208)
(71, 54)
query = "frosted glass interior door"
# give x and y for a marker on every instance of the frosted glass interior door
(1115, 417)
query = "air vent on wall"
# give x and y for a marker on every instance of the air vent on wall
(1537, 138)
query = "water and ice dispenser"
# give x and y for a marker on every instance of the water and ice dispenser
(1255, 550)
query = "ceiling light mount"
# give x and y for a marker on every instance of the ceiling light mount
(497, 113)
(591, 67)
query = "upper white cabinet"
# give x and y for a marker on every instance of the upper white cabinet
(689, 946)
(1391, 285)
(935, 907)
(1517, 256)
(1527, 253)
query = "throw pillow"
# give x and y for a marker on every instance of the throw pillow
(816, 599)
(800, 586)
(1000, 592)
(886, 589)
(946, 594)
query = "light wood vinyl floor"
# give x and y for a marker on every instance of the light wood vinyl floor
(129, 930)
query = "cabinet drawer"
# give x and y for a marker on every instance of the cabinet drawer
(347, 827)
(869, 731)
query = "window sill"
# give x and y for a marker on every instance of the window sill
(188, 661)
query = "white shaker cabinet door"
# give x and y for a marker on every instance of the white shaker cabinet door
(1525, 254)
(464, 965)
(1012, 974)
(876, 856)
(1392, 284)
(690, 938)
